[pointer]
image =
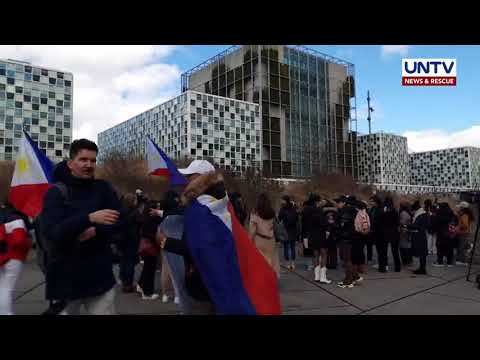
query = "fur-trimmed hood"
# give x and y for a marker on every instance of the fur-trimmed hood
(210, 184)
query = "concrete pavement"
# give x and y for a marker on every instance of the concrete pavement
(443, 291)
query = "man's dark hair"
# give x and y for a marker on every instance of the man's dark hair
(82, 144)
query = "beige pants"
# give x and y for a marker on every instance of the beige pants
(97, 305)
(268, 248)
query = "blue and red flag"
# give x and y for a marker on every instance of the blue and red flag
(237, 277)
(32, 178)
(160, 165)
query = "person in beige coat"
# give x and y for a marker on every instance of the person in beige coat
(261, 231)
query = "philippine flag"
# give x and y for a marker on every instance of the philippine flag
(15, 237)
(237, 277)
(31, 178)
(160, 165)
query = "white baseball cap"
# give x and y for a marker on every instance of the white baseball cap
(463, 205)
(198, 167)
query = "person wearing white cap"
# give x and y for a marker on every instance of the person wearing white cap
(201, 179)
(465, 231)
(196, 168)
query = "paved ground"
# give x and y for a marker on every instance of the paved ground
(443, 291)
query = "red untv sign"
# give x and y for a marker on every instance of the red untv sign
(429, 72)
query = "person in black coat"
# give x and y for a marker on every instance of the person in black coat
(128, 242)
(305, 215)
(346, 236)
(389, 234)
(317, 234)
(418, 229)
(444, 223)
(330, 214)
(151, 219)
(289, 217)
(374, 215)
(80, 269)
(238, 207)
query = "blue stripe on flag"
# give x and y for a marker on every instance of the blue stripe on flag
(212, 247)
(46, 164)
(175, 177)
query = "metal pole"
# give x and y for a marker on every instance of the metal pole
(369, 117)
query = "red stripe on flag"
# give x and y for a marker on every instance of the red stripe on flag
(18, 244)
(28, 198)
(259, 279)
(161, 172)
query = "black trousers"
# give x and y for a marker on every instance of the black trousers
(147, 279)
(369, 245)
(406, 256)
(382, 250)
(444, 250)
(332, 257)
(423, 262)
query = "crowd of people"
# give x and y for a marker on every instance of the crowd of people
(349, 230)
(86, 227)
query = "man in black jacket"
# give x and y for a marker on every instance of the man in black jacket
(78, 223)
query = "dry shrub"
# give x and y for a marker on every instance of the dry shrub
(6, 173)
(128, 173)
(252, 184)
(328, 186)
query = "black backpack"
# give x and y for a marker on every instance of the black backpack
(44, 247)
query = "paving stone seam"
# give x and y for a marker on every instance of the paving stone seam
(454, 297)
(413, 294)
(327, 291)
(28, 291)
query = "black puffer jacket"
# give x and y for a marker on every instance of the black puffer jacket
(389, 223)
(316, 226)
(78, 269)
(346, 220)
(306, 220)
(289, 217)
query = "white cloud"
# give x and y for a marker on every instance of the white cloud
(388, 50)
(111, 82)
(435, 139)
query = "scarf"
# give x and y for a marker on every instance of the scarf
(419, 212)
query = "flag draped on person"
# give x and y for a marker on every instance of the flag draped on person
(32, 178)
(160, 165)
(14, 241)
(236, 275)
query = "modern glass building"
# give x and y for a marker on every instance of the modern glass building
(193, 125)
(39, 100)
(383, 159)
(307, 102)
(454, 167)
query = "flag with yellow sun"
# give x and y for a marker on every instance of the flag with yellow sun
(31, 178)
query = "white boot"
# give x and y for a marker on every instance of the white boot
(317, 273)
(323, 276)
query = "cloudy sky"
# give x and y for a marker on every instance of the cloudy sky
(114, 83)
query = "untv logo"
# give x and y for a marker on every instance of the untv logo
(429, 72)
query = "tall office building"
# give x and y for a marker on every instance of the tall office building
(383, 159)
(307, 102)
(194, 125)
(39, 100)
(455, 167)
